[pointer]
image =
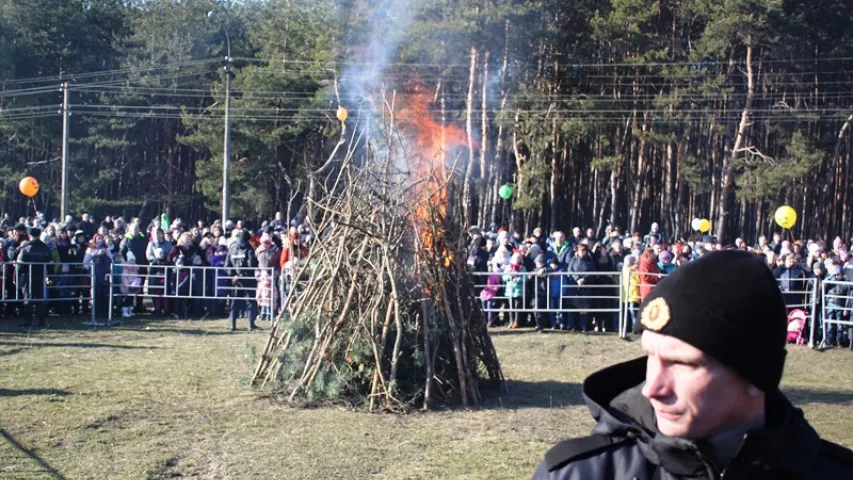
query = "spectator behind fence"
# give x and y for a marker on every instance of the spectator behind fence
(837, 307)
(631, 290)
(514, 281)
(791, 277)
(135, 242)
(649, 272)
(561, 248)
(578, 290)
(156, 254)
(238, 261)
(32, 278)
(98, 261)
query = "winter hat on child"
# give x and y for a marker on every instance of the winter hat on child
(665, 256)
(740, 324)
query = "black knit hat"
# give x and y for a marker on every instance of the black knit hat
(728, 305)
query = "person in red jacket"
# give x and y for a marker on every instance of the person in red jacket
(649, 272)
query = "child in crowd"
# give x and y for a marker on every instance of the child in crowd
(514, 280)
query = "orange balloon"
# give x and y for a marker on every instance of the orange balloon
(29, 186)
(342, 114)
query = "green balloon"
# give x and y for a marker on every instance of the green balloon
(505, 192)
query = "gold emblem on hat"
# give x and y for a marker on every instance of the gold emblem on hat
(656, 315)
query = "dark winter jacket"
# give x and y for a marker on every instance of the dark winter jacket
(239, 259)
(137, 244)
(582, 265)
(563, 252)
(626, 444)
(34, 251)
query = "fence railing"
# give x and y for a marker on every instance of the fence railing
(562, 296)
(837, 303)
(195, 282)
(51, 283)
(567, 298)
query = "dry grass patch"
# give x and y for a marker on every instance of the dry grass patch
(169, 400)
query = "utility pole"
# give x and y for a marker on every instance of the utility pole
(226, 161)
(63, 203)
(226, 150)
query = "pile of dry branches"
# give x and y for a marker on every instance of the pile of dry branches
(383, 314)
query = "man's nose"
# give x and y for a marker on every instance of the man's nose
(657, 384)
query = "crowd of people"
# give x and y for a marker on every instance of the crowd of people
(248, 269)
(574, 282)
(580, 279)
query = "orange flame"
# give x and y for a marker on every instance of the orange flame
(432, 140)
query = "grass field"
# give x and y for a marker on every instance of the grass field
(169, 399)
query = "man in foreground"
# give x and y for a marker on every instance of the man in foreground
(704, 403)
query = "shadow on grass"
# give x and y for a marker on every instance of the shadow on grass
(5, 392)
(72, 345)
(546, 394)
(191, 331)
(532, 331)
(799, 396)
(32, 455)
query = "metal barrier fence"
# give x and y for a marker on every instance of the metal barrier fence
(837, 300)
(572, 298)
(204, 283)
(560, 295)
(567, 298)
(46, 283)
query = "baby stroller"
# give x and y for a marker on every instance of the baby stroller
(797, 324)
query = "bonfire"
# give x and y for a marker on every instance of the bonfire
(382, 314)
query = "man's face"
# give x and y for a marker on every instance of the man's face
(762, 240)
(590, 233)
(789, 261)
(278, 217)
(776, 238)
(490, 244)
(576, 232)
(582, 251)
(693, 395)
(657, 249)
(537, 232)
(559, 238)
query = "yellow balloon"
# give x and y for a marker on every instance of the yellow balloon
(342, 114)
(786, 217)
(704, 225)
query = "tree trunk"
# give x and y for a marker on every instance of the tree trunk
(728, 162)
(485, 198)
(829, 195)
(467, 200)
(639, 179)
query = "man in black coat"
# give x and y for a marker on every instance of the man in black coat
(704, 403)
(32, 268)
(240, 265)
